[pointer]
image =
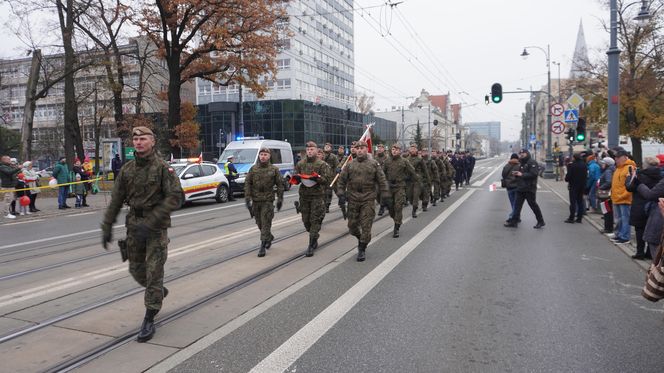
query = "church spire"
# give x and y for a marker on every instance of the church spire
(580, 59)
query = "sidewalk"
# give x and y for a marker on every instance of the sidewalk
(559, 188)
(49, 207)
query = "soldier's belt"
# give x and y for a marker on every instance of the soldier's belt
(139, 213)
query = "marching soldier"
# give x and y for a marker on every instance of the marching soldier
(259, 187)
(442, 175)
(434, 188)
(397, 170)
(451, 173)
(314, 175)
(380, 157)
(152, 191)
(357, 183)
(333, 162)
(414, 187)
(433, 180)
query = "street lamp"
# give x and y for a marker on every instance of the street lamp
(548, 172)
(614, 65)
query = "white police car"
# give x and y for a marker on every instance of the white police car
(201, 180)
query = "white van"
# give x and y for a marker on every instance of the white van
(245, 154)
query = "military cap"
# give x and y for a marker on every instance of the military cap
(311, 144)
(381, 145)
(328, 143)
(139, 131)
(353, 143)
(396, 146)
(264, 150)
(359, 144)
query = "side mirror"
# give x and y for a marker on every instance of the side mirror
(187, 176)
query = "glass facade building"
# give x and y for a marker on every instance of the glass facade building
(295, 121)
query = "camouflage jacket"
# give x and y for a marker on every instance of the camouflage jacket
(433, 170)
(331, 161)
(451, 172)
(260, 182)
(420, 167)
(380, 158)
(442, 171)
(149, 186)
(397, 170)
(308, 166)
(359, 179)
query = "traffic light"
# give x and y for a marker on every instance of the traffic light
(581, 130)
(571, 135)
(496, 93)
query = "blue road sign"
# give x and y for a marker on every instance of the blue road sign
(571, 116)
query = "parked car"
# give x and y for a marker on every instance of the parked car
(202, 180)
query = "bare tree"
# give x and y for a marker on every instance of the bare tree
(365, 104)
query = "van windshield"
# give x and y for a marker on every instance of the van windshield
(239, 155)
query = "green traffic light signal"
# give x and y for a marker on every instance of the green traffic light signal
(496, 93)
(580, 137)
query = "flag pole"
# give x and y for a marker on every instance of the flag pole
(348, 158)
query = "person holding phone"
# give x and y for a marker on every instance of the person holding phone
(621, 197)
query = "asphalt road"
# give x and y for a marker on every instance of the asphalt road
(462, 293)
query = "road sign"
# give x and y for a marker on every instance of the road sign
(571, 116)
(532, 138)
(575, 100)
(557, 110)
(557, 127)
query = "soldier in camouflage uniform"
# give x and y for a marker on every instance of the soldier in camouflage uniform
(314, 175)
(397, 170)
(357, 183)
(442, 174)
(259, 188)
(450, 171)
(380, 157)
(428, 195)
(414, 187)
(333, 162)
(149, 186)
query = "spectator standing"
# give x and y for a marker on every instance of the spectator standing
(640, 208)
(116, 165)
(80, 171)
(577, 179)
(14, 163)
(621, 197)
(21, 191)
(7, 174)
(61, 175)
(653, 230)
(608, 166)
(32, 180)
(79, 191)
(526, 190)
(510, 181)
(594, 172)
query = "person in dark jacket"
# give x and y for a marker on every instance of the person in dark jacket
(526, 190)
(608, 165)
(640, 208)
(470, 166)
(460, 167)
(510, 181)
(576, 178)
(7, 176)
(655, 222)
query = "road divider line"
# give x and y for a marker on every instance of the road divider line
(291, 350)
(481, 182)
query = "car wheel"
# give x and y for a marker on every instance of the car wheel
(287, 184)
(222, 194)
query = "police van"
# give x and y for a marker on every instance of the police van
(245, 154)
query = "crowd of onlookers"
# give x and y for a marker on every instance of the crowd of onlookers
(20, 185)
(610, 183)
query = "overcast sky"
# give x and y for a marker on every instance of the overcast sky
(470, 44)
(458, 46)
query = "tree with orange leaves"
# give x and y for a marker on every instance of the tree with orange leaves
(186, 133)
(229, 41)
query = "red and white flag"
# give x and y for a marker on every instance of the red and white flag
(200, 158)
(366, 137)
(492, 187)
(605, 206)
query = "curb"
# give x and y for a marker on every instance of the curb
(622, 247)
(36, 216)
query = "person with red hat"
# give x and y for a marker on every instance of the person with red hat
(21, 191)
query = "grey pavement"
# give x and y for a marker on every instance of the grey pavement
(473, 296)
(49, 207)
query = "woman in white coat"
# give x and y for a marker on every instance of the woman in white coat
(32, 180)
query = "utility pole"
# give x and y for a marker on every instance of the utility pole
(614, 87)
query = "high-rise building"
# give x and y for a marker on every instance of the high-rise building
(315, 65)
(490, 130)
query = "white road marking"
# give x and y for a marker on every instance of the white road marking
(291, 350)
(114, 227)
(84, 213)
(481, 182)
(24, 222)
(52, 287)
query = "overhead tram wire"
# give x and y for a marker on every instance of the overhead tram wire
(380, 81)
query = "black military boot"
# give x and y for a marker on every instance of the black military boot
(261, 251)
(434, 202)
(395, 233)
(381, 211)
(424, 206)
(313, 244)
(361, 251)
(414, 212)
(148, 328)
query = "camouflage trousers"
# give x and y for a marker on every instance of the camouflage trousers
(398, 200)
(360, 219)
(328, 197)
(436, 190)
(413, 193)
(313, 212)
(146, 264)
(447, 186)
(425, 193)
(263, 213)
